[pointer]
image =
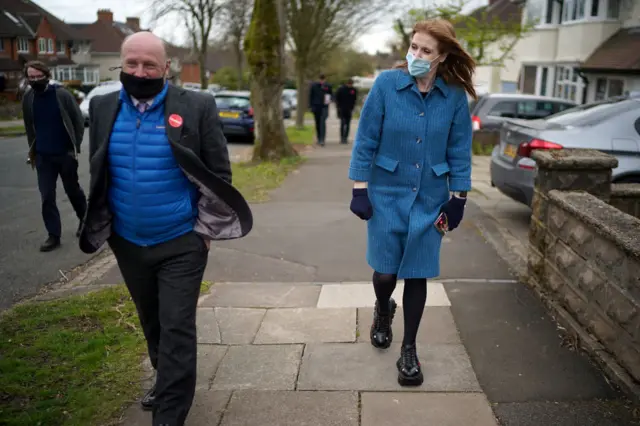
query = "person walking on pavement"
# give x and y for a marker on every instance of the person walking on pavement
(320, 95)
(160, 191)
(55, 128)
(346, 96)
(412, 147)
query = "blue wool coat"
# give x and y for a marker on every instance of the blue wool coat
(412, 151)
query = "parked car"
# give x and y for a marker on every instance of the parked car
(292, 94)
(491, 109)
(236, 114)
(102, 89)
(611, 126)
(286, 106)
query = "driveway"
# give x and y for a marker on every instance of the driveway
(24, 270)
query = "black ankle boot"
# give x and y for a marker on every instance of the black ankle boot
(409, 371)
(381, 333)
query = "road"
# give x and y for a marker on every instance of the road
(23, 269)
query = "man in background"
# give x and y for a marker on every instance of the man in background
(320, 95)
(346, 96)
(55, 127)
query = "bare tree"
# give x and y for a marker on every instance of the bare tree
(264, 48)
(318, 27)
(198, 16)
(236, 19)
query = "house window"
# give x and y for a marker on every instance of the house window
(23, 45)
(528, 79)
(50, 45)
(42, 45)
(608, 88)
(542, 12)
(590, 10)
(569, 84)
(61, 48)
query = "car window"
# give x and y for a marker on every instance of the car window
(531, 110)
(232, 102)
(594, 113)
(559, 107)
(503, 109)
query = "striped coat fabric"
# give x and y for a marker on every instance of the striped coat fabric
(412, 150)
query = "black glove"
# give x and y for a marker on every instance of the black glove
(360, 204)
(454, 210)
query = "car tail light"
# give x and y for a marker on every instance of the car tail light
(250, 113)
(476, 123)
(525, 148)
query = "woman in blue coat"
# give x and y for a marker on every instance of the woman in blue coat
(412, 150)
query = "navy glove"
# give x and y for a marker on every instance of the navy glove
(454, 210)
(360, 204)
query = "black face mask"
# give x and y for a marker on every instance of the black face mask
(140, 87)
(39, 86)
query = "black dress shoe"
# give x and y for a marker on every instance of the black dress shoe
(381, 334)
(409, 370)
(148, 399)
(52, 243)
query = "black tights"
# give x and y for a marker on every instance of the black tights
(413, 300)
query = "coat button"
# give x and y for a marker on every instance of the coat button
(418, 140)
(417, 166)
(422, 114)
(415, 189)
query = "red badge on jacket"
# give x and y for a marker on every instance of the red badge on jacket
(175, 120)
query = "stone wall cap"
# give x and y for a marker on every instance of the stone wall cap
(625, 190)
(611, 223)
(574, 159)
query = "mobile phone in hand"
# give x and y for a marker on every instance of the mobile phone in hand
(442, 224)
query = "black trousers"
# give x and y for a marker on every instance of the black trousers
(320, 114)
(48, 169)
(164, 282)
(345, 123)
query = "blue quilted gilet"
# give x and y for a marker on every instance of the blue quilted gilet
(151, 199)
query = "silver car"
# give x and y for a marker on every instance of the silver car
(611, 126)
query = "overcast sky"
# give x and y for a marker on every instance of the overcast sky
(84, 11)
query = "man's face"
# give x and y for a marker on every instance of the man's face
(143, 62)
(35, 75)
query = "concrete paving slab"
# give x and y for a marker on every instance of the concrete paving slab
(307, 325)
(516, 349)
(209, 357)
(419, 409)
(262, 296)
(263, 367)
(207, 326)
(206, 410)
(569, 413)
(437, 326)
(362, 295)
(359, 366)
(268, 408)
(238, 326)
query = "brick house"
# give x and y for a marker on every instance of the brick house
(107, 35)
(28, 32)
(216, 59)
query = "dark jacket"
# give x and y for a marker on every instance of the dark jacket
(317, 93)
(200, 149)
(346, 99)
(71, 117)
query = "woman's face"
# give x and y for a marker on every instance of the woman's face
(424, 46)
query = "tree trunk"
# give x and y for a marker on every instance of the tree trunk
(265, 54)
(202, 59)
(303, 97)
(240, 62)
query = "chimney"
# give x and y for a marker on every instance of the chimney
(133, 23)
(105, 15)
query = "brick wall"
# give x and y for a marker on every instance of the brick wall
(626, 197)
(584, 258)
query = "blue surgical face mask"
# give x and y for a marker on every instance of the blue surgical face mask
(418, 67)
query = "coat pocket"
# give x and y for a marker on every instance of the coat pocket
(440, 169)
(386, 163)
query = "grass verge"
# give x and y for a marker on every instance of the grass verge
(255, 181)
(73, 362)
(481, 149)
(12, 131)
(304, 136)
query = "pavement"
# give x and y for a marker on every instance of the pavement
(11, 123)
(24, 270)
(283, 333)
